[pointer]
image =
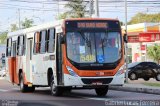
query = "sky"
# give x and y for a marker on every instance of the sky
(42, 11)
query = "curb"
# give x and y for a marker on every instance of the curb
(139, 90)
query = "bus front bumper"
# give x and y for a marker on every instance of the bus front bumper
(92, 81)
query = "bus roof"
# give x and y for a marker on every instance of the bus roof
(51, 24)
(36, 28)
(91, 19)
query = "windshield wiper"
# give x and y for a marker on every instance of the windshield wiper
(88, 42)
(103, 42)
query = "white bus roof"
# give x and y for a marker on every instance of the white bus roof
(36, 28)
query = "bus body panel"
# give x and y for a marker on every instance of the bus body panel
(11, 69)
(35, 67)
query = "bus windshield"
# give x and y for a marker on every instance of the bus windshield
(93, 47)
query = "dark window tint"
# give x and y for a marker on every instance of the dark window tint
(141, 65)
(51, 40)
(9, 47)
(153, 65)
(43, 41)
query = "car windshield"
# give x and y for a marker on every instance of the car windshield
(130, 65)
(93, 47)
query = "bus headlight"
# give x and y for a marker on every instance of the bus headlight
(121, 70)
(71, 71)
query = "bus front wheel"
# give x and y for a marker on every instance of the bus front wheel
(102, 91)
(55, 91)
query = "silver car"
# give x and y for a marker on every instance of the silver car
(2, 72)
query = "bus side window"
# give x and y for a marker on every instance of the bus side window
(51, 40)
(9, 46)
(13, 50)
(43, 35)
(20, 45)
(36, 42)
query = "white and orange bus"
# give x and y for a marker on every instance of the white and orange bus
(85, 53)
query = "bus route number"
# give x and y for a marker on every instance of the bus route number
(87, 58)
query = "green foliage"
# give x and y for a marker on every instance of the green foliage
(77, 9)
(62, 16)
(27, 23)
(3, 37)
(154, 52)
(142, 17)
(14, 27)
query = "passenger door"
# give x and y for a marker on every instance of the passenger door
(59, 60)
(12, 66)
(152, 69)
(139, 69)
(29, 59)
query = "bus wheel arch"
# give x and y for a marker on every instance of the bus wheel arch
(49, 76)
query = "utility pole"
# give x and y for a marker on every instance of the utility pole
(96, 6)
(58, 7)
(19, 18)
(126, 47)
(91, 9)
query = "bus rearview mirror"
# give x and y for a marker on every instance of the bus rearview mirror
(62, 39)
(125, 38)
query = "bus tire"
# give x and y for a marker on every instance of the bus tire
(23, 87)
(55, 91)
(31, 89)
(102, 91)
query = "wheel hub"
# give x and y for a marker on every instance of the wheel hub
(133, 76)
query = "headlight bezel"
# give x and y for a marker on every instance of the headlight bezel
(71, 71)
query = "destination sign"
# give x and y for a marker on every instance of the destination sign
(91, 25)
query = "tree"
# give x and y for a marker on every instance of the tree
(3, 37)
(154, 53)
(142, 17)
(13, 27)
(62, 16)
(77, 9)
(27, 23)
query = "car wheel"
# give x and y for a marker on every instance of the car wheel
(146, 78)
(101, 91)
(158, 77)
(133, 76)
(55, 90)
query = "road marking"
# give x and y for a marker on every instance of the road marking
(2, 90)
(101, 99)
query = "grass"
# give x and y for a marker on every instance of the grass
(152, 84)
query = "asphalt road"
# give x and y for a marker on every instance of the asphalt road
(10, 94)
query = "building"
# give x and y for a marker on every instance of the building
(140, 36)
